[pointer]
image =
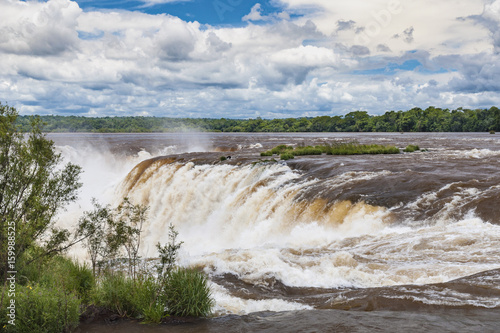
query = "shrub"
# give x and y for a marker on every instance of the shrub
(266, 153)
(307, 151)
(41, 309)
(116, 293)
(149, 298)
(188, 294)
(60, 273)
(223, 158)
(411, 148)
(357, 149)
(492, 132)
(350, 148)
(286, 156)
(142, 298)
(81, 280)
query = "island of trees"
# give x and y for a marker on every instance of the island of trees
(431, 119)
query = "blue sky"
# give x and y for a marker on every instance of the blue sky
(216, 12)
(247, 59)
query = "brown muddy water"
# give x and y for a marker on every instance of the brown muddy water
(318, 243)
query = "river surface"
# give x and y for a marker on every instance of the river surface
(407, 242)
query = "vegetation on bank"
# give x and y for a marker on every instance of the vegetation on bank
(411, 148)
(350, 148)
(43, 291)
(431, 119)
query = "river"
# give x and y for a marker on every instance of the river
(317, 243)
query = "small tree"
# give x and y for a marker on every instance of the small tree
(168, 254)
(34, 187)
(96, 228)
(130, 219)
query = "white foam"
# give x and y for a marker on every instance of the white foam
(228, 304)
(247, 221)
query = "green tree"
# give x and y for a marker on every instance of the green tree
(130, 220)
(34, 187)
(95, 227)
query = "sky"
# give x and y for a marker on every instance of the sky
(247, 59)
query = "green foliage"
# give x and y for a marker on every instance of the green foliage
(300, 151)
(188, 294)
(96, 228)
(411, 148)
(115, 293)
(123, 295)
(130, 219)
(286, 156)
(105, 231)
(43, 309)
(352, 148)
(278, 150)
(168, 254)
(357, 149)
(180, 292)
(33, 188)
(492, 132)
(61, 273)
(223, 158)
(431, 119)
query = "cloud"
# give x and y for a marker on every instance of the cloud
(407, 35)
(255, 14)
(316, 57)
(346, 25)
(42, 29)
(490, 18)
(150, 3)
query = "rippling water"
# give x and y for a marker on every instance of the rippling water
(318, 243)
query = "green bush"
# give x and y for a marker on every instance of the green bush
(357, 149)
(142, 298)
(61, 273)
(41, 309)
(266, 153)
(188, 294)
(411, 148)
(223, 158)
(286, 156)
(115, 292)
(149, 299)
(351, 148)
(307, 151)
(280, 149)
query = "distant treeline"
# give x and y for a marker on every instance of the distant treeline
(415, 120)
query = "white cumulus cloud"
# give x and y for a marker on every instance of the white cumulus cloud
(313, 57)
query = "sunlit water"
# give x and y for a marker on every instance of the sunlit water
(317, 241)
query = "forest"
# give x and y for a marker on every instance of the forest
(431, 119)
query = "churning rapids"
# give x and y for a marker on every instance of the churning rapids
(317, 243)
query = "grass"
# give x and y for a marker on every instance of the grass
(411, 148)
(43, 309)
(286, 156)
(184, 293)
(51, 296)
(357, 149)
(53, 292)
(188, 294)
(352, 148)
